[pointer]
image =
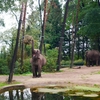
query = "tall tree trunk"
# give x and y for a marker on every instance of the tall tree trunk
(43, 26)
(40, 14)
(99, 2)
(74, 35)
(78, 47)
(73, 46)
(69, 43)
(62, 37)
(15, 50)
(23, 31)
(83, 48)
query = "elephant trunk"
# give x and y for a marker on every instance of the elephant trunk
(32, 47)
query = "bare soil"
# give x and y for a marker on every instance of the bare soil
(88, 76)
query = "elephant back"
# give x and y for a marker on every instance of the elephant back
(92, 54)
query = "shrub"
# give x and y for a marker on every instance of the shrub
(26, 65)
(3, 66)
(79, 62)
(65, 63)
(51, 60)
(24, 69)
(76, 62)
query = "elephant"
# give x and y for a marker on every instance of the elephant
(92, 57)
(37, 62)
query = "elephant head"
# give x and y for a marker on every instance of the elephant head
(36, 54)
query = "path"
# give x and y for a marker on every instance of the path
(84, 76)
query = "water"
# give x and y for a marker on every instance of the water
(26, 94)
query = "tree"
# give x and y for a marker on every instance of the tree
(90, 26)
(43, 25)
(75, 26)
(23, 31)
(62, 36)
(16, 48)
(53, 24)
(5, 5)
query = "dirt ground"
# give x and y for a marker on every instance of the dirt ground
(84, 76)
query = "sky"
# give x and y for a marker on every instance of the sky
(8, 20)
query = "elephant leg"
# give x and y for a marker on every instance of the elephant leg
(39, 71)
(33, 70)
(88, 64)
(36, 71)
(92, 63)
(96, 62)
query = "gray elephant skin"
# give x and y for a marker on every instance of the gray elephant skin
(37, 62)
(92, 57)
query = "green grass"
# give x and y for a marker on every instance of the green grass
(98, 72)
(3, 84)
(24, 74)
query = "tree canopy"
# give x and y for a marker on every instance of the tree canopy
(90, 21)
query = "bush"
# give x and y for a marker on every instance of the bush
(65, 63)
(76, 62)
(3, 67)
(79, 62)
(24, 69)
(51, 60)
(26, 66)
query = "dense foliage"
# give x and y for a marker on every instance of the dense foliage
(51, 60)
(90, 26)
(53, 24)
